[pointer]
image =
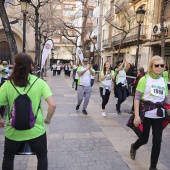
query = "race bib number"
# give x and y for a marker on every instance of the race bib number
(108, 78)
(156, 91)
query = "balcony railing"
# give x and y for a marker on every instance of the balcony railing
(132, 36)
(105, 43)
(120, 5)
(109, 14)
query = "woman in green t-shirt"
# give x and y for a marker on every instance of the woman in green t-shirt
(22, 80)
(106, 77)
(150, 97)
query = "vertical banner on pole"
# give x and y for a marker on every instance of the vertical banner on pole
(79, 53)
(46, 51)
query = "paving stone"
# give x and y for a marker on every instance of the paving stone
(79, 142)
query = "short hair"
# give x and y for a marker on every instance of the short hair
(154, 58)
(85, 59)
(118, 62)
(4, 62)
(141, 69)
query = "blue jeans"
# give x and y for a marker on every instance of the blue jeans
(39, 145)
(92, 82)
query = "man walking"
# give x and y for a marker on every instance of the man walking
(84, 84)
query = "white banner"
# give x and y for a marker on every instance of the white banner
(58, 61)
(79, 53)
(46, 51)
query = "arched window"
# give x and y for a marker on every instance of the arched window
(5, 52)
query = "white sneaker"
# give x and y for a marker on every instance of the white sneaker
(103, 114)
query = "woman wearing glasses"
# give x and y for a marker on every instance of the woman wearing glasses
(151, 94)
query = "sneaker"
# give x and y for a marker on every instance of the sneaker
(104, 114)
(152, 168)
(77, 107)
(133, 152)
(84, 112)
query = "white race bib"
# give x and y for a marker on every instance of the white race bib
(157, 90)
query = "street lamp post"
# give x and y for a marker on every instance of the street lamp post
(24, 9)
(52, 53)
(139, 18)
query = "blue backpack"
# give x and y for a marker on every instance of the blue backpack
(22, 116)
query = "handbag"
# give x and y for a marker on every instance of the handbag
(25, 149)
(167, 111)
(127, 92)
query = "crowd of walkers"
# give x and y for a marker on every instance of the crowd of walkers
(150, 105)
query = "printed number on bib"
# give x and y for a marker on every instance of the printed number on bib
(158, 92)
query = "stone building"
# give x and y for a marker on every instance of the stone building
(119, 16)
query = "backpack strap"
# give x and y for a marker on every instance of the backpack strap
(25, 86)
(15, 87)
(38, 109)
(32, 85)
(26, 93)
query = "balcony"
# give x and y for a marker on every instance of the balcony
(109, 14)
(106, 43)
(120, 5)
(131, 37)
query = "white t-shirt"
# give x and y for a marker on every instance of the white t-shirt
(154, 91)
(121, 77)
(108, 80)
(84, 79)
(58, 67)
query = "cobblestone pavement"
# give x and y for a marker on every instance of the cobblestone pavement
(92, 142)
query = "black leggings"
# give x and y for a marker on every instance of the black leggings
(105, 98)
(39, 145)
(76, 81)
(157, 128)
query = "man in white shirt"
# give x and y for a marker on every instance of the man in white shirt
(84, 84)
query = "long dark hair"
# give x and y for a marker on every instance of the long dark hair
(104, 68)
(22, 68)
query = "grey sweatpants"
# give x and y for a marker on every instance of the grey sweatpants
(83, 92)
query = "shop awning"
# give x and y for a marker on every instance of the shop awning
(154, 43)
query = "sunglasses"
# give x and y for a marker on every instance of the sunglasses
(157, 65)
(4, 64)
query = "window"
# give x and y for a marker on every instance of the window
(90, 13)
(68, 7)
(5, 52)
(57, 7)
(167, 11)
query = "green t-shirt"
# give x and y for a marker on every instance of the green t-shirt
(165, 76)
(9, 94)
(108, 80)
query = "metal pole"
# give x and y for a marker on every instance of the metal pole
(137, 50)
(24, 31)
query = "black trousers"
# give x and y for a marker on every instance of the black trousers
(2, 110)
(76, 81)
(105, 98)
(157, 128)
(39, 145)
